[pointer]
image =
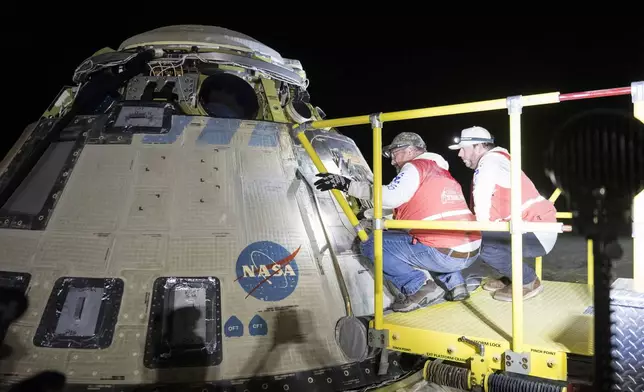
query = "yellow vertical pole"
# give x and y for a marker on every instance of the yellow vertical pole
(639, 110)
(590, 260)
(638, 247)
(516, 222)
(376, 125)
(637, 93)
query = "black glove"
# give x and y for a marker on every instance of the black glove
(330, 181)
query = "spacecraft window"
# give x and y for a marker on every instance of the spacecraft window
(34, 189)
(302, 109)
(34, 193)
(225, 95)
(38, 173)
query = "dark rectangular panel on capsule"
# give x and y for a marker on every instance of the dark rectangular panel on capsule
(184, 329)
(81, 313)
(15, 280)
(139, 117)
(34, 190)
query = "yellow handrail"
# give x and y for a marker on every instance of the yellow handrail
(463, 108)
(590, 263)
(555, 195)
(473, 225)
(553, 198)
(516, 226)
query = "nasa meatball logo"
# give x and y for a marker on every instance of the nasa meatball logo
(267, 271)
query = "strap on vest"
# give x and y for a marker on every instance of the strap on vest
(471, 204)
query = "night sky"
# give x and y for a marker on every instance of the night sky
(359, 67)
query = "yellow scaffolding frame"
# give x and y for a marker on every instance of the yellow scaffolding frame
(516, 226)
(590, 257)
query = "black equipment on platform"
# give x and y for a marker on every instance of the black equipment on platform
(597, 159)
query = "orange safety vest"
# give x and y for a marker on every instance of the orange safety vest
(438, 197)
(534, 207)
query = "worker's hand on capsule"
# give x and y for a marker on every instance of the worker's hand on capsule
(330, 181)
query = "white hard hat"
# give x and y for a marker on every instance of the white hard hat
(471, 136)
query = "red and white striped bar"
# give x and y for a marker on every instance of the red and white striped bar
(609, 92)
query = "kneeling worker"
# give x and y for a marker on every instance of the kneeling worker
(491, 199)
(422, 190)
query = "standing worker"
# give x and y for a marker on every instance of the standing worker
(422, 190)
(491, 203)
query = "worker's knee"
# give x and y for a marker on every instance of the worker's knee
(495, 255)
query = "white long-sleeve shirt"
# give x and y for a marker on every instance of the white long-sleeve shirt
(401, 189)
(492, 170)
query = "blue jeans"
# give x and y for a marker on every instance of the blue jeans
(400, 256)
(496, 252)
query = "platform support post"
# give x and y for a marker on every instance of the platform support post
(378, 226)
(538, 267)
(637, 94)
(516, 222)
(590, 260)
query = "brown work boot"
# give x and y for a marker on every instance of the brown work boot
(529, 290)
(496, 284)
(427, 295)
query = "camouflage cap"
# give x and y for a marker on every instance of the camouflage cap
(404, 139)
